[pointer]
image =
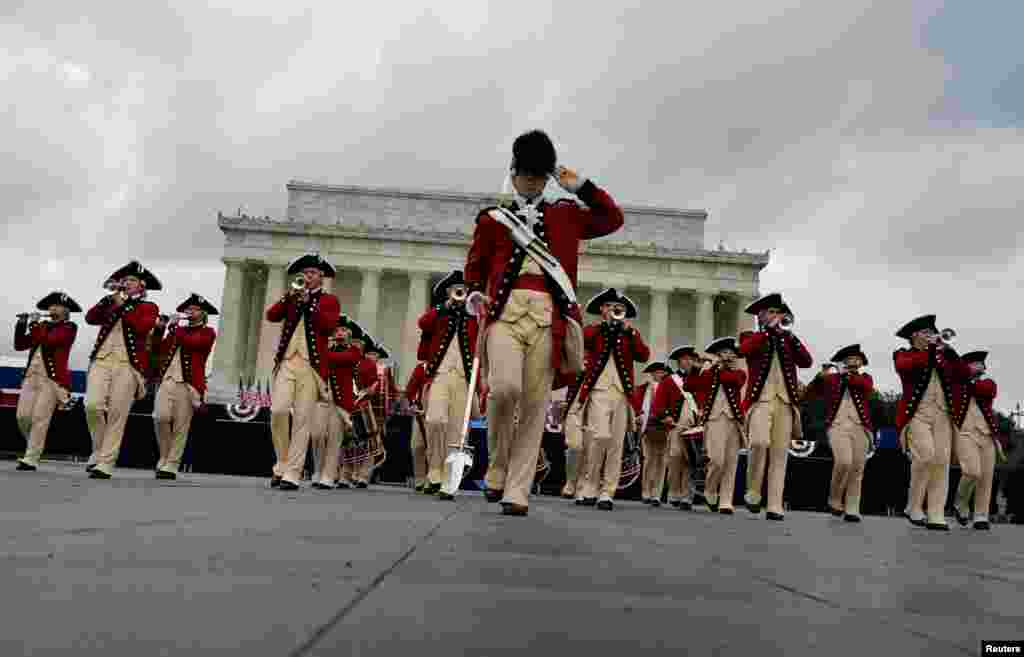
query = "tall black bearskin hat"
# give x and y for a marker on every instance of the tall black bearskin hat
(533, 154)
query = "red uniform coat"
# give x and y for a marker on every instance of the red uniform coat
(668, 399)
(195, 344)
(414, 387)
(915, 368)
(443, 325)
(341, 372)
(624, 348)
(137, 317)
(982, 391)
(321, 318)
(55, 341)
(706, 386)
(860, 387)
(757, 347)
(494, 259)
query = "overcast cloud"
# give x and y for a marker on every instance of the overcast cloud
(874, 146)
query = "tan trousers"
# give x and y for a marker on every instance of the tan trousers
(722, 440)
(576, 442)
(36, 404)
(977, 454)
(419, 453)
(608, 415)
(519, 376)
(929, 436)
(655, 444)
(678, 461)
(849, 443)
(110, 390)
(325, 438)
(173, 418)
(295, 389)
(771, 430)
(446, 409)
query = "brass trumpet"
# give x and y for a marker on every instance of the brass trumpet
(947, 337)
(786, 323)
(618, 315)
(458, 294)
(298, 283)
(34, 317)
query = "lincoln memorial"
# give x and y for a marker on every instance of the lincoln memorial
(391, 245)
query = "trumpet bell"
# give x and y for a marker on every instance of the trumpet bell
(947, 336)
(618, 315)
(298, 283)
(786, 323)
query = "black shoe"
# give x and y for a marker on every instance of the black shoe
(771, 515)
(25, 467)
(446, 497)
(320, 486)
(960, 517)
(713, 508)
(698, 499)
(726, 512)
(287, 485)
(834, 511)
(589, 501)
(938, 526)
(982, 525)
(275, 482)
(98, 474)
(419, 489)
(647, 500)
(567, 496)
(754, 508)
(849, 517)
(655, 503)
(362, 484)
(685, 506)
(160, 474)
(492, 494)
(605, 505)
(509, 509)
(343, 485)
(675, 503)
(916, 523)
(90, 468)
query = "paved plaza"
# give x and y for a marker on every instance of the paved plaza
(222, 565)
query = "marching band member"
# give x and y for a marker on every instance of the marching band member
(418, 442)
(577, 441)
(333, 417)
(848, 422)
(377, 388)
(929, 371)
(531, 330)
(449, 365)
(47, 380)
(675, 410)
(719, 385)
(773, 418)
(976, 445)
(344, 382)
(118, 362)
(608, 392)
(310, 316)
(183, 350)
(652, 434)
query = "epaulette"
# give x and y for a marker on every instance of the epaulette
(483, 212)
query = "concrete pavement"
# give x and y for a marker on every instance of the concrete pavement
(216, 564)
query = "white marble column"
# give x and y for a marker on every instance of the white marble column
(705, 324)
(419, 281)
(227, 351)
(257, 277)
(270, 333)
(659, 324)
(369, 300)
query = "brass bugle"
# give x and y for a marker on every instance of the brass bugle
(947, 336)
(786, 323)
(618, 315)
(459, 294)
(36, 316)
(298, 283)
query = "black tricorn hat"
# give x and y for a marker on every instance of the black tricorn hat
(61, 299)
(657, 365)
(314, 260)
(196, 300)
(721, 344)
(773, 300)
(974, 357)
(611, 295)
(915, 325)
(135, 268)
(682, 350)
(851, 350)
(440, 290)
(533, 154)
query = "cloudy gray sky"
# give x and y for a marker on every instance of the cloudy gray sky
(876, 147)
